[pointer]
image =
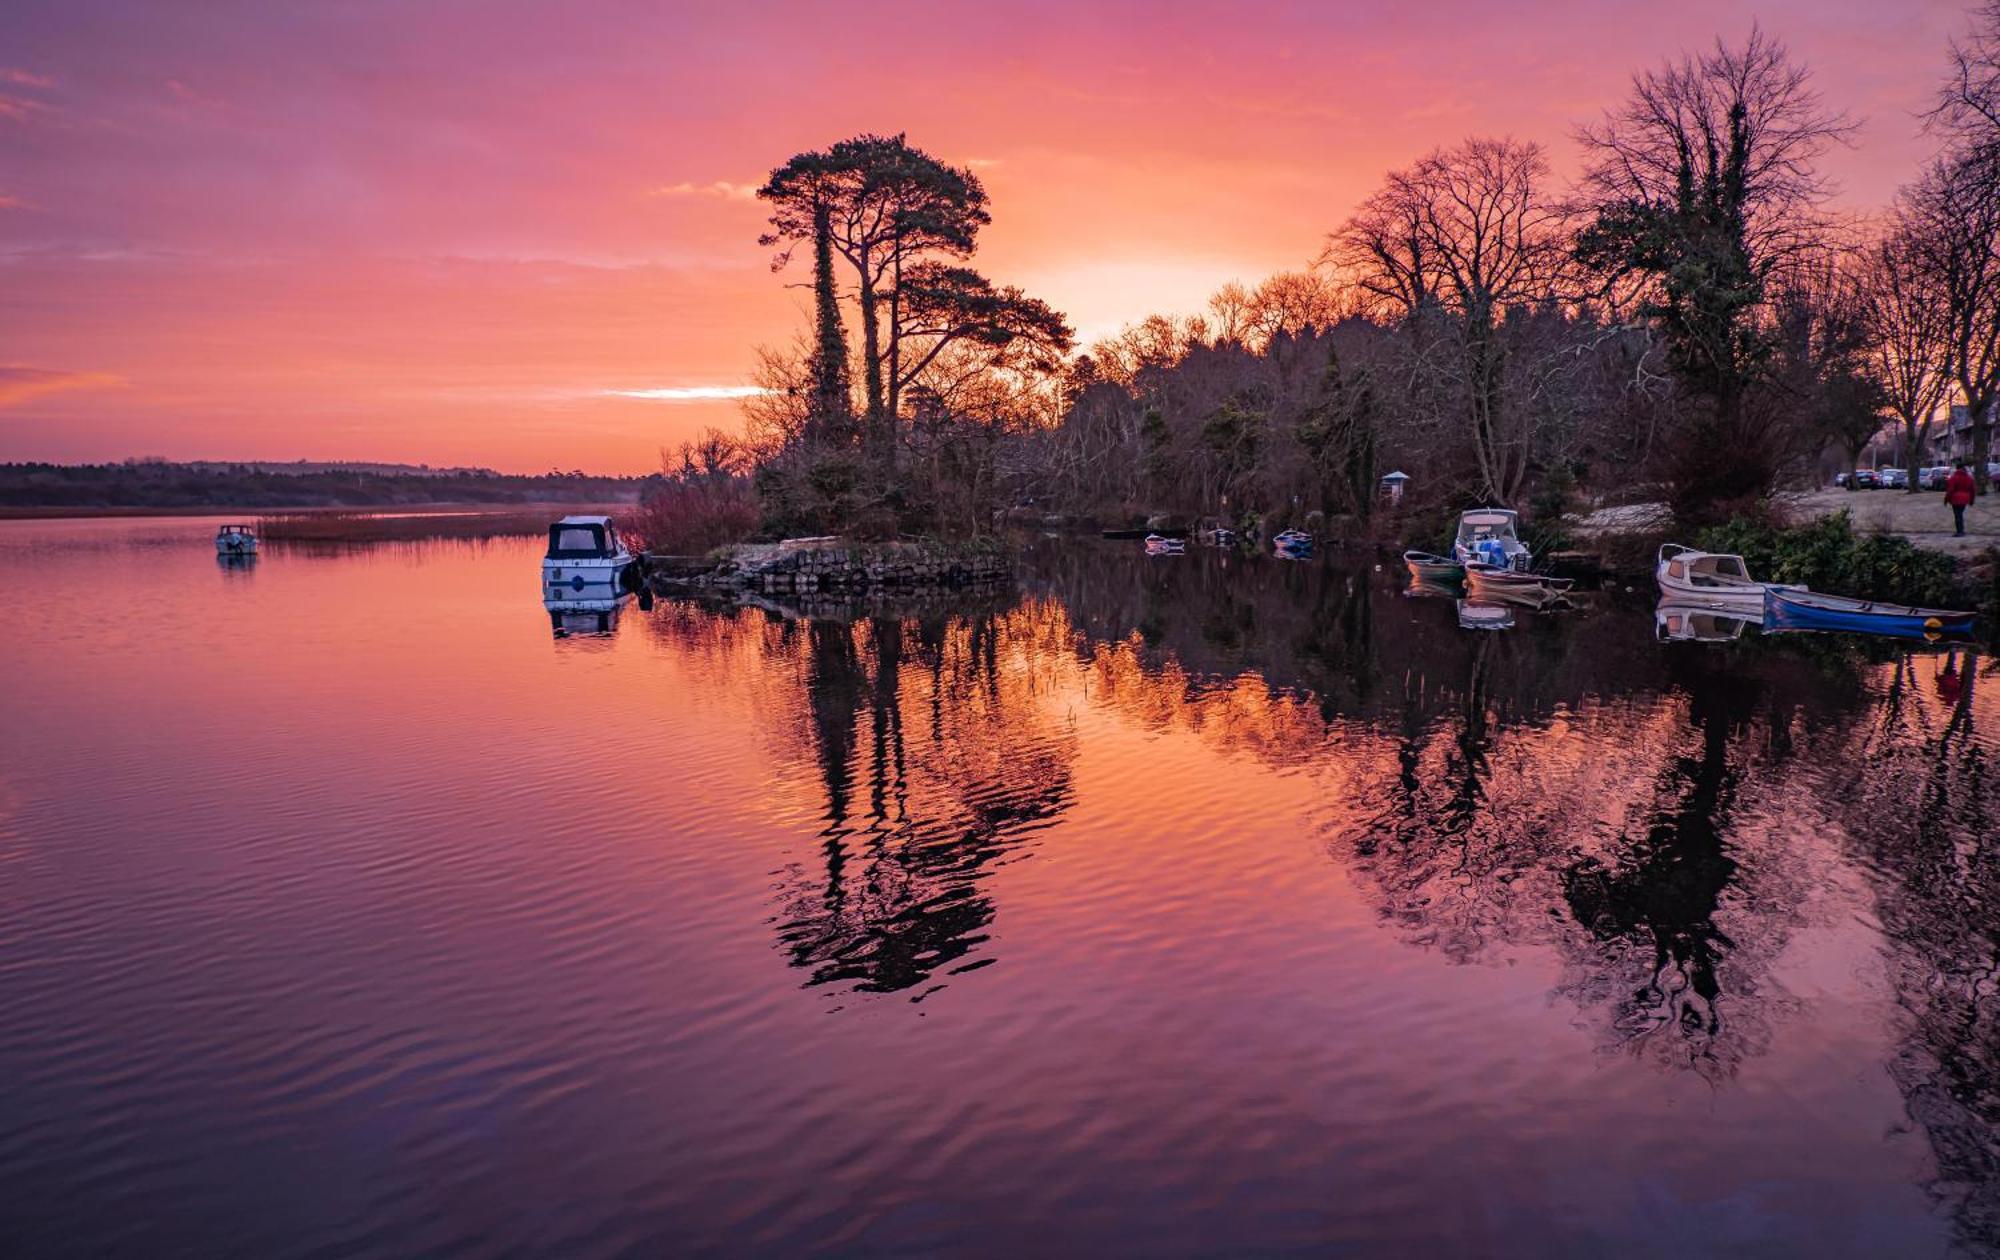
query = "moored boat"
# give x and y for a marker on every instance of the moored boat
(1432, 568)
(1490, 536)
(586, 553)
(1292, 544)
(1717, 579)
(235, 540)
(1810, 610)
(1487, 579)
(1161, 545)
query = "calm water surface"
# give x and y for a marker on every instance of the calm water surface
(1163, 907)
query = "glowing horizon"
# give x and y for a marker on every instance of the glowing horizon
(521, 238)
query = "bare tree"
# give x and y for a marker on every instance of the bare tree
(1462, 243)
(1909, 346)
(1968, 106)
(1954, 213)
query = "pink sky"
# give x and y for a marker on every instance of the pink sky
(448, 231)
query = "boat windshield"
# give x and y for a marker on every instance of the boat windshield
(571, 542)
(1476, 525)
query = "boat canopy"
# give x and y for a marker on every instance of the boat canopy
(581, 538)
(1486, 523)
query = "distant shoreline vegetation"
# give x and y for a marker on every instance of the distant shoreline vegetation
(153, 485)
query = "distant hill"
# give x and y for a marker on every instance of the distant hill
(211, 483)
(301, 467)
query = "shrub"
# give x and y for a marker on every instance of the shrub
(689, 515)
(1827, 555)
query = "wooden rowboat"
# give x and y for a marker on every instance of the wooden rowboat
(1432, 568)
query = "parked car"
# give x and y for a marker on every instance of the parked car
(1934, 477)
(1860, 479)
(1893, 479)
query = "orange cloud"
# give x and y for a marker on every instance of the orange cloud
(19, 384)
(721, 189)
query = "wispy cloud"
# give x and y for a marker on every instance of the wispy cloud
(690, 393)
(19, 384)
(12, 203)
(721, 190)
(23, 78)
(20, 108)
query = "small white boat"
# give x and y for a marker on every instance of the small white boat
(586, 554)
(235, 540)
(1160, 545)
(1679, 621)
(1716, 579)
(1490, 536)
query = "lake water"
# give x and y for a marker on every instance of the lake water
(1161, 907)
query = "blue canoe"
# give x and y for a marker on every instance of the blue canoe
(1809, 610)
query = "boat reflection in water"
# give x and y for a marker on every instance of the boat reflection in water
(236, 563)
(1478, 614)
(595, 617)
(1678, 621)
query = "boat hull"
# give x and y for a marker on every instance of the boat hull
(1487, 578)
(570, 579)
(1427, 567)
(1748, 599)
(1790, 611)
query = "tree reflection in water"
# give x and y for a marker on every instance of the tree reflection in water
(936, 764)
(1661, 820)
(1923, 801)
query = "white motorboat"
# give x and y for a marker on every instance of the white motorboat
(236, 540)
(1690, 576)
(1157, 545)
(1490, 536)
(586, 554)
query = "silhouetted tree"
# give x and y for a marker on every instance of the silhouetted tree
(1699, 186)
(1909, 344)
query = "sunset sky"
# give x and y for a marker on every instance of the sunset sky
(522, 235)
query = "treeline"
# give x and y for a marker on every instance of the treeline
(1684, 321)
(158, 484)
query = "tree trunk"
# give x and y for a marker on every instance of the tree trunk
(1982, 446)
(871, 368)
(1915, 435)
(896, 333)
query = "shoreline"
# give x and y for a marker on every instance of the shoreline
(251, 513)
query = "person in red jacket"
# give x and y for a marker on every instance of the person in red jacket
(1959, 491)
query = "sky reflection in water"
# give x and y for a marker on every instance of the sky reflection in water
(1175, 906)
